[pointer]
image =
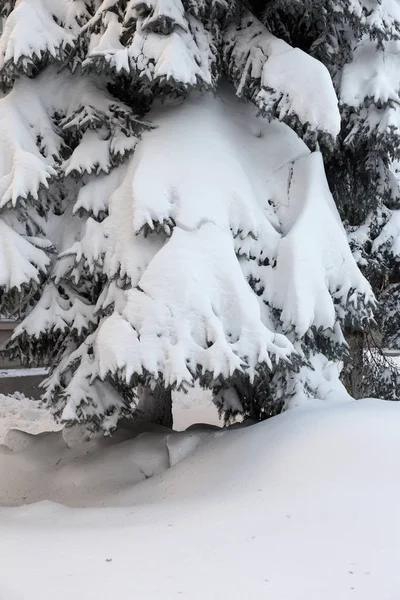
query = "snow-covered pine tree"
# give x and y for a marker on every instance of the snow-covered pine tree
(209, 250)
(358, 41)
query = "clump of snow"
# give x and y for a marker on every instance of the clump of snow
(370, 87)
(314, 260)
(181, 52)
(357, 84)
(306, 503)
(31, 30)
(323, 377)
(285, 82)
(20, 260)
(57, 313)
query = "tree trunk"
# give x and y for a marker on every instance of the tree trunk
(353, 372)
(155, 406)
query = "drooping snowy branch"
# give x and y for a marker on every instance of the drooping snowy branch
(75, 394)
(33, 35)
(25, 168)
(205, 329)
(155, 43)
(284, 82)
(380, 17)
(54, 313)
(316, 280)
(369, 93)
(30, 158)
(21, 262)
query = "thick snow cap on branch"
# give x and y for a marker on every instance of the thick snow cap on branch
(54, 313)
(94, 196)
(85, 397)
(127, 254)
(167, 46)
(24, 169)
(314, 264)
(32, 111)
(191, 307)
(37, 119)
(20, 261)
(372, 74)
(33, 34)
(284, 82)
(380, 17)
(27, 114)
(179, 319)
(370, 88)
(388, 241)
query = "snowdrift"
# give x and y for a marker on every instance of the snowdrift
(303, 506)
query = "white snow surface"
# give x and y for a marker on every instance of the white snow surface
(19, 412)
(306, 504)
(31, 30)
(370, 86)
(184, 55)
(371, 74)
(297, 84)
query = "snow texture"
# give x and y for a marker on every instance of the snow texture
(174, 320)
(18, 412)
(27, 114)
(167, 46)
(309, 504)
(369, 92)
(382, 18)
(275, 76)
(31, 30)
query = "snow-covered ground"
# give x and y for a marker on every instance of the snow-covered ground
(301, 507)
(19, 412)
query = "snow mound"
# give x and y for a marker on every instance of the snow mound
(306, 503)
